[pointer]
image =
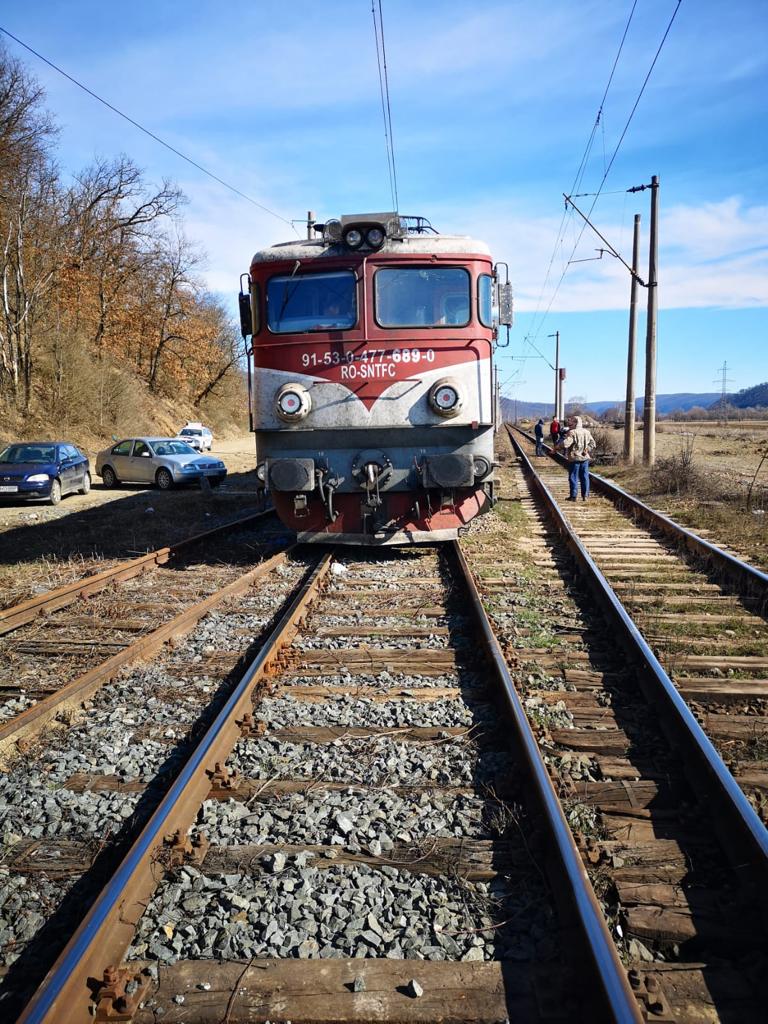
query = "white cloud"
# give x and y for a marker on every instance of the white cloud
(713, 255)
(709, 255)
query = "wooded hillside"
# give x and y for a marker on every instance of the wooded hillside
(102, 307)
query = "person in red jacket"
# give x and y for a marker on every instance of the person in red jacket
(554, 430)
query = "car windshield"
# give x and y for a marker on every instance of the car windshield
(190, 433)
(18, 453)
(173, 448)
(422, 296)
(311, 302)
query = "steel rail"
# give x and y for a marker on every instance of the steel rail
(734, 567)
(65, 996)
(51, 600)
(615, 1000)
(747, 838)
(33, 719)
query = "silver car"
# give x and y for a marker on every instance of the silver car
(164, 461)
(196, 435)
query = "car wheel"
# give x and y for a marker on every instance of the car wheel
(164, 480)
(86, 485)
(55, 495)
(109, 477)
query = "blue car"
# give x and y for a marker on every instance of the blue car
(43, 469)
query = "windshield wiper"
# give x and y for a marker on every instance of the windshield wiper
(288, 293)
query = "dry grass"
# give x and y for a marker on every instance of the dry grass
(702, 478)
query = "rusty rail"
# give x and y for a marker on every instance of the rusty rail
(66, 994)
(738, 571)
(51, 600)
(35, 718)
(744, 837)
(604, 982)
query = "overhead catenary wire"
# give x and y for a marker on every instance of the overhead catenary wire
(583, 165)
(610, 163)
(386, 106)
(147, 131)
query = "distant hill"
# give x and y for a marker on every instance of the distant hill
(750, 398)
(664, 404)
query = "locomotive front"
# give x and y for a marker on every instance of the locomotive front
(372, 385)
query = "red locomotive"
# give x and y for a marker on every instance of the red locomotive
(372, 381)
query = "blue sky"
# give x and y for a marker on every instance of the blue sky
(492, 107)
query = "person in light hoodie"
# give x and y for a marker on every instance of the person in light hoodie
(577, 445)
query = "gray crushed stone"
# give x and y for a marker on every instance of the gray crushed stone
(24, 907)
(382, 761)
(357, 912)
(31, 809)
(386, 680)
(347, 710)
(356, 820)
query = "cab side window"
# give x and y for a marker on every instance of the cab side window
(485, 299)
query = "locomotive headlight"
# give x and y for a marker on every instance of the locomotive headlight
(375, 238)
(353, 238)
(293, 402)
(445, 398)
(261, 472)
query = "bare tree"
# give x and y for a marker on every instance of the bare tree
(175, 291)
(28, 225)
(113, 221)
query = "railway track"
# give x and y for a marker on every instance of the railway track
(369, 800)
(701, 610)
(653, 812)
(87, 765)
(91, 626)
(376, 819)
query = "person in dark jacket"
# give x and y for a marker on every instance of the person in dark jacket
(539, 432)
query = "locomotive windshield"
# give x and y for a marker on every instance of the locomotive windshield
(311, 302)
(422, 296)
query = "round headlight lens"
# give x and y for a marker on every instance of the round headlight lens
(375, 237)
(292, 402)
(289, 403)
(446, 397)
(354, 238)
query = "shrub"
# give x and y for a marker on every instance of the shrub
(678, 473)
(605, 449)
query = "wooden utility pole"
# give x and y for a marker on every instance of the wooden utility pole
(629, 409)
(649, 408)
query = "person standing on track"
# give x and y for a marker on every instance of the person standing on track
(554, 431)
(578, 445)
(539, 432)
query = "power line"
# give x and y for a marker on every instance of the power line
(146, 131)
(386, 107)
(613, 158)
(582, 168)
(383, 106)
